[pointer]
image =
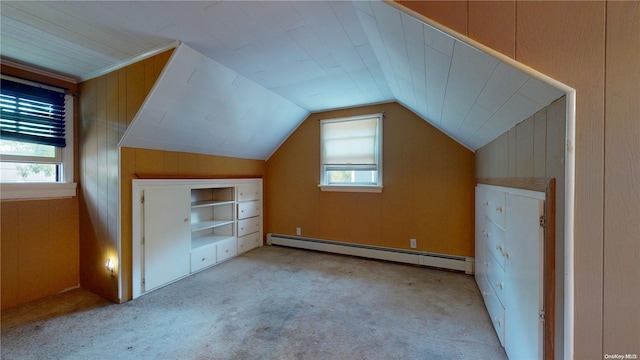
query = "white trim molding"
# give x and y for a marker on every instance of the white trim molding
(37, 191)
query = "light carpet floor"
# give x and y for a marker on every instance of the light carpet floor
(270, 303)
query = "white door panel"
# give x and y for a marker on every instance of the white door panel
(523, 275)
(166, 235)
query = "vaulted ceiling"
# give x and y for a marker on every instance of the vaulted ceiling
(246, 73)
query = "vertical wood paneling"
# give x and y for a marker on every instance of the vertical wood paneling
(566, 40)
(493, 23)
(10, 247)
(540, 144)
(512, 151)
(524, 148)
(108, 104)
(428, 188)
(622, 190)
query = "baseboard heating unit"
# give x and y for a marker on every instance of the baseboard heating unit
(460, 263)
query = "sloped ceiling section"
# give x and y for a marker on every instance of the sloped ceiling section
(200, 106)
(466, 93)
(252, 70)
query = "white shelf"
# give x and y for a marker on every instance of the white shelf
(199, 204)
(209, 224)
(208, 239)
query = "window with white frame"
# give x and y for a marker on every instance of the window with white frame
(35, 143)
(351, 153)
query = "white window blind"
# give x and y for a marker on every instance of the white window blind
(350, 142)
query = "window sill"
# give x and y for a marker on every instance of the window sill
(37, 191)
(351, 188)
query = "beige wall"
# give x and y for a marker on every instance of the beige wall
(428, 188)
(622, 180)
(535, 148)
(143, 162)
(578, 43)
(39, 239)
(108, 104)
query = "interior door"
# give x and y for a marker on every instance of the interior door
(167, 235)
(523, 287)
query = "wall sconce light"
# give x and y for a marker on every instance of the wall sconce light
(110, 265)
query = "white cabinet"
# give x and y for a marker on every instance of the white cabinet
(166, 235)
(509, 266)
(183, 226)
(249, 217)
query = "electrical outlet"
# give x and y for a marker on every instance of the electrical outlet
(413, 243)
(298, 231)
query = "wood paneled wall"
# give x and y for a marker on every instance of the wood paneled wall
(142, 161)
(535, 148)
(428, 188)
(578, 43)
(39, 239)
(108, 104)
(622, 181)
(39, 249)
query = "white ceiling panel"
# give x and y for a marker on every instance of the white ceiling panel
(193, 122)
(254, 69)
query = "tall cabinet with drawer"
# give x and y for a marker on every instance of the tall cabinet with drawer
(180, 227)
(509, 254)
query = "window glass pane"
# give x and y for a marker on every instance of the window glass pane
(12, 172)
(17, 148)
(352, 177)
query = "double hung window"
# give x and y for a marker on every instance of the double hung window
(351, 154)
(36, 140)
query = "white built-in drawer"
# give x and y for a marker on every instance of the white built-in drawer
(495, 276)
(203, 257)
(248, 192)
(248, 226)
(495, 310)
(226, 249)
(495, 203)
(249, 242)
(248, 209)
(495, 241)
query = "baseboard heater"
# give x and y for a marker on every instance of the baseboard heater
(460, 263)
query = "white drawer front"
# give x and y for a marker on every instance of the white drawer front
(495, 203)
(248, 242)
(226, 249)
(248, 192)
(495, 276)
(496, 312)
(248, 209)
(248, 226)
(203, 257)
(495, 242)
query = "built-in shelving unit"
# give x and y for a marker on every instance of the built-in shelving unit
(183, 226)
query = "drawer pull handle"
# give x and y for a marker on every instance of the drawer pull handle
(499, 284)
(203, 259)
(226, 250)
(499, 209)
(499, 247)
(185, 220)
(497, 321)
(505, 254)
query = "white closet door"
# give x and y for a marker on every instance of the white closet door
(523, 278)
(167, 235)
